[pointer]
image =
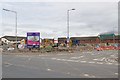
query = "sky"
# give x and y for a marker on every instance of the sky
(50, 18)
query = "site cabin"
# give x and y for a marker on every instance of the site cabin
(33, 40)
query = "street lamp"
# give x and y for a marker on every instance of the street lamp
(114, 35)
(68, 38)
(15, 22)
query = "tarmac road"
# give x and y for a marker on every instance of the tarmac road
(61, 65)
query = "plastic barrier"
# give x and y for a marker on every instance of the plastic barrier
(107, 48)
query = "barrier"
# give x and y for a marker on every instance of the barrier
(108, 48)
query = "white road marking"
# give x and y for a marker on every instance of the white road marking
(74, 57)
(76, 61)
(91, 62)
(86, 75)
(7, 64)
(58, 59)
(60, 54)
(23, 56)
(109, 63)
(112, 55)
(90, 76)
(116, 73)
(53, 58)
(81, 56)
(95, 59)
(99, 63)
(70, 60)
(63, 59)
(83, 61)
(49, 70)
(68, 72)
(103, 59)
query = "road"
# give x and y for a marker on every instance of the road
(60, 65)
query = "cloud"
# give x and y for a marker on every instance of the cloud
(59, 0)
(50, 18)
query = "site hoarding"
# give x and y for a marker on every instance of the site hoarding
(33, 39)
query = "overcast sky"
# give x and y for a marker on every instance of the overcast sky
(50, 18)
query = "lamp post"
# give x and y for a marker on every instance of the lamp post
(114, 35)
(68, 38)
(15, 23)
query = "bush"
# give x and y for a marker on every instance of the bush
(48, 48)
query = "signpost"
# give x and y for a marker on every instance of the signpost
(33, 40)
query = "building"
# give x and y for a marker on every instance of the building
(0, 42)
(11, 39)
(110, 39)
(79, 40)
(91, 40)
(62, 40)
(84, 40)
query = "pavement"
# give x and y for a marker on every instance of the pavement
(87, 64)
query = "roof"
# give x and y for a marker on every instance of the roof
(84, 38)
(62, 38)
(109, 36)
(48, 38)
(13, 38)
